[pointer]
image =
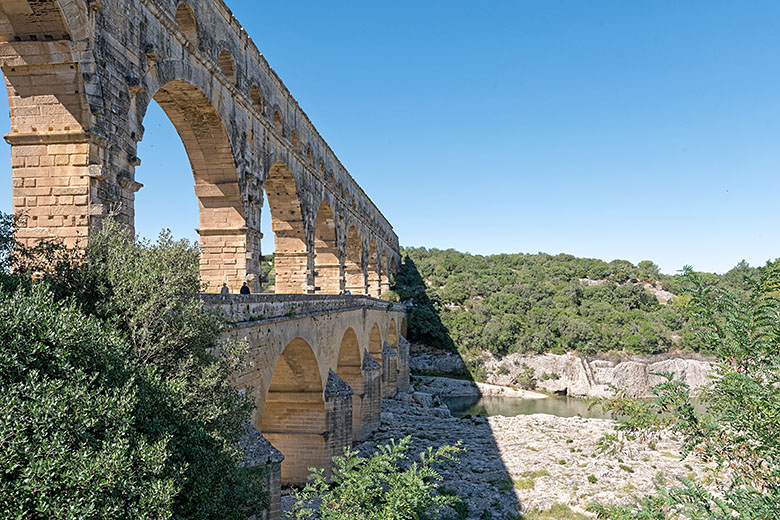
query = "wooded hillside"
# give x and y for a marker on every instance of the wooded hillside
(546, 303)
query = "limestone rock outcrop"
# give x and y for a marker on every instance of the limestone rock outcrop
(577, 376)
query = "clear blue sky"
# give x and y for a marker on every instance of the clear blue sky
(608, 129)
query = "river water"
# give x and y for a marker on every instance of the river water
(511, 406)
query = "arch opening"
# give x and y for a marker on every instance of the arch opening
(373, 271)
(392, 334)
(227, 65)
(257, 98)
(294, 417)
(185, 18)
(354, 282)
(290, 258)
(223, 237)
(375, 343)
(384, 274)
(296, 143)
(327, 268)
(162, 150)
(349, 369)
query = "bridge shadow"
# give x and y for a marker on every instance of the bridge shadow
(482, 478)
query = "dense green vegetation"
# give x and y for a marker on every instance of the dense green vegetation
(738, 433)
(379, 487)
(113, 403)
(536, 303)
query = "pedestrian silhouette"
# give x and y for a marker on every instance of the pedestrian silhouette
(244, 289)
(224, 290)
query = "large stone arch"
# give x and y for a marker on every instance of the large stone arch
(353, 263)
(223, 230)
(375, 343)
(392, 334)
(52, 19)
(77, 115)
(349, 368)
(384, 273)
(327, 267)
(294, 416)
(372, 270)
(291, 258)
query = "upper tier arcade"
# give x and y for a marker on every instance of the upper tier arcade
(80, 76)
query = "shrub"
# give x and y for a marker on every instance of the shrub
(376, 488)
(527, 378)
(391, 296)
(739, 429)
(117, 404)
(74, 442)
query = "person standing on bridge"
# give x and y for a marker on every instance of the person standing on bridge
(244, 289)
(224, 291)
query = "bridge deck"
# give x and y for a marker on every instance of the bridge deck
(253, 308)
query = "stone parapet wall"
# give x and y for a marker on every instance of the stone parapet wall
(259, 307)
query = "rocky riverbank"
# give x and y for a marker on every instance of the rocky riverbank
(514, 464)
(449, 387)
(574, 375)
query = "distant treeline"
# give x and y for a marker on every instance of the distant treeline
(537, 303)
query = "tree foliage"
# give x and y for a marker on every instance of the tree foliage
(544, 303)
(376, 488)
(114, 403)
(738, 433)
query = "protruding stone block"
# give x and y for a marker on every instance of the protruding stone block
(338, 415)
(259, 453)
(389, 370)
(372, 393)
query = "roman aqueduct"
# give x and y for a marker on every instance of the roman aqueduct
(80, 75)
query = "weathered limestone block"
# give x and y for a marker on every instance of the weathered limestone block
(439, 363)
(423, 399)
(694, 372)
(372, 394)
(632, 377)
(389, 370)
(259, 453)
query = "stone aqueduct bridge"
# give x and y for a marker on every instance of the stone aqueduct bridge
(80, 75)
(320, 365)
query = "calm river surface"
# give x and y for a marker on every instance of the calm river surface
(511, 406)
